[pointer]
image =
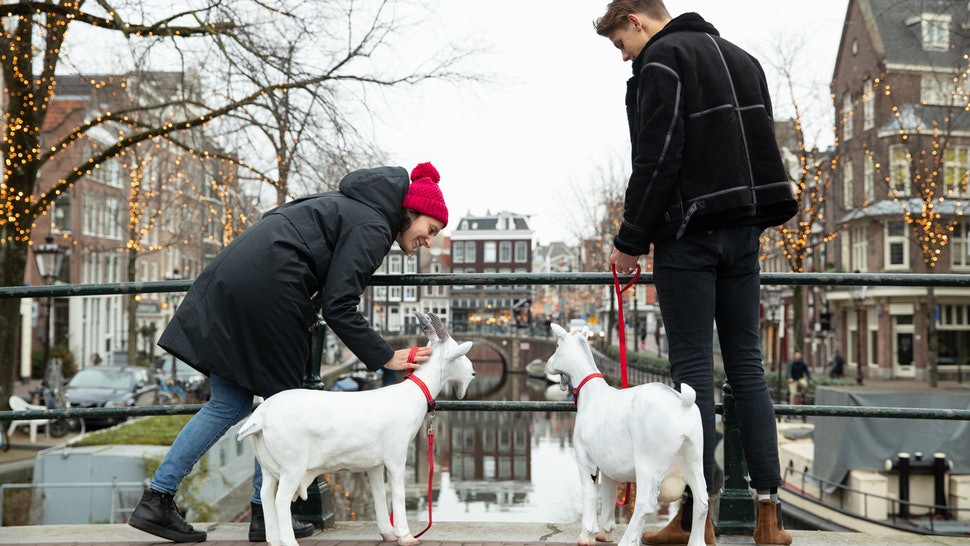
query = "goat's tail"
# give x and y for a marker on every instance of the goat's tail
(687, 395)
(252, 425)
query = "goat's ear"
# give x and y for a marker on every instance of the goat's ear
(458, 351)
(558, 330)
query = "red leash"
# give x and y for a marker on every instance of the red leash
(622, 327)
(431, 406)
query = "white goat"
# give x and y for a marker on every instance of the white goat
(648, 434)
(299, 434)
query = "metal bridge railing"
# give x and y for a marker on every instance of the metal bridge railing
(736, 514)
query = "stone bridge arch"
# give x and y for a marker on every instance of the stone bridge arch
(515, 351)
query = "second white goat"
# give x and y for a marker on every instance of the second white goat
(649, 434)
(299, 434)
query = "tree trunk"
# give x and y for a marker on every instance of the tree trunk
(798, 317)
(132, 308)
(13, 256)
(933, 339)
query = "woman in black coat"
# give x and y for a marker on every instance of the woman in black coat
(245, 320)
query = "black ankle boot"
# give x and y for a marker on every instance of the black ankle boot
(257, 525)
(156, 514)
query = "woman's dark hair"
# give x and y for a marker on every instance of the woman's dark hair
(405, 219)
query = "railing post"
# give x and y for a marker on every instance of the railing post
(318, 508)
(736, 511)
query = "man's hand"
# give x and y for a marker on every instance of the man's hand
(624, 262)
(400, 359)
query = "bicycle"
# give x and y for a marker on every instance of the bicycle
(169, 391)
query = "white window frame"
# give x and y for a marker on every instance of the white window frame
(488, 252)
(935, 31)
(868, 105)
(457, 252)
(899, 173)
(891, 240)
(868, 179)
(847, 112)
(505, 252)
(394, 264)
(860, 249)
(410, 265)
(470, 252)
(956, 171)
(521, 252)
(847, 174)
(937, 88)
(960, 246)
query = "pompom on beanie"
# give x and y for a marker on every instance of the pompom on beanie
(424, 196)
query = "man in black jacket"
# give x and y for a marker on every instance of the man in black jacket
(707, 179)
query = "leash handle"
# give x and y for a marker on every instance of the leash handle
(620, 324)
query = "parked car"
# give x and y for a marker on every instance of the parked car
(110, 386)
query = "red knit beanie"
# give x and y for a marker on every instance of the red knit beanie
(424, 196)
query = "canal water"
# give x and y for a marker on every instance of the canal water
(488, 466)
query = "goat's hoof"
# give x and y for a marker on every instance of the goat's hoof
(407, 541)
(584, 540)
(389, 537)
(604, 536)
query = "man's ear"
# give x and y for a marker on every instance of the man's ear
(635, 21)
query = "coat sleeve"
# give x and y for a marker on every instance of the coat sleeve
(660, 141)
(356, 255)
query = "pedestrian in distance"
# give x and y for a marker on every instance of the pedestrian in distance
(245, 320)
(837, 370)
(799, 377)
(707, 179)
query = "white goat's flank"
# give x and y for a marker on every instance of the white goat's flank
(299, 434)
(649, 434)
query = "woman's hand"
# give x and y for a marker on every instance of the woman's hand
(400, 359)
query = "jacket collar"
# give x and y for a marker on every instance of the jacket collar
(688, 22)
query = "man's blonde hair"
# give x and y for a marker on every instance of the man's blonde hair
(617, 11)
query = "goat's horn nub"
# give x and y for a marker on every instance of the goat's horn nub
(426, 326)
(438, 327)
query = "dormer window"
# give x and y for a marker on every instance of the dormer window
(935, 31)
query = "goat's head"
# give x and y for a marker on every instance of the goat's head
(456, 369)
(573, 357)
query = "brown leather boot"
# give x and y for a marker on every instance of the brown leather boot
(768, 529)
(677, 532)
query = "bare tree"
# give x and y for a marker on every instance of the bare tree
(212, 34)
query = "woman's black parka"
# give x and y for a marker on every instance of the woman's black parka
(247, 317)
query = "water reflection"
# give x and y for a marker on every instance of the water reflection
(488, 466)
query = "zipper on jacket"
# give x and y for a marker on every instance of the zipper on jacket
(690, 212)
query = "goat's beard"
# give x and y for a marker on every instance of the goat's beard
(563, 381)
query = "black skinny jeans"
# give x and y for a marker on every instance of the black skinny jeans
(706, 277)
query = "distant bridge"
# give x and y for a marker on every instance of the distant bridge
(515, 351)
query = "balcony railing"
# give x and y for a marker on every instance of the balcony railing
(736, 514)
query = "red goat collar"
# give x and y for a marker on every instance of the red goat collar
(424, 388)
(583, 382)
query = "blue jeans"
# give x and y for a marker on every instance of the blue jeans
(228, 405)
(703, 278)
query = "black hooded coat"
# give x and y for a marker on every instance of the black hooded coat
(247, 317)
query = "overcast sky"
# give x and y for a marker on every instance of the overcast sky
(555, 110)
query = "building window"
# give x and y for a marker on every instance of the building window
(488, 256)
(847, 116)
(457, 253)
(956, 171)
(899, 170)
(395, 294)
(847, 184)
(897, 245)
(521, 252)
(960, 249)
(470, 252)
(410, 293)
(860, 249)
(411, 264)
(380, 293)
(394, 264)
(937, 89)
(868, 105)
(505, 252)
(935, 31)
(62, 212)
(868, 188)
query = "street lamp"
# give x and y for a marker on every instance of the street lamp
(858, 294)
(49, 258)
(773, 303)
